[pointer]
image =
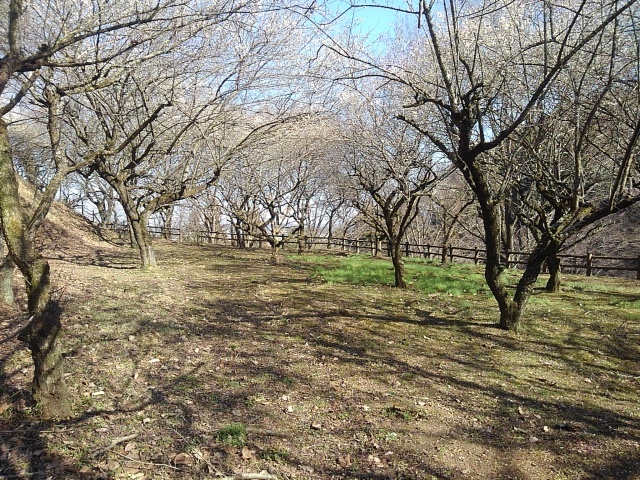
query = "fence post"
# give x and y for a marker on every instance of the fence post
(508, 259)
(450, 253)
(475, 255)
(357, 247)
(428, 253)
(444, 254)
(589, 263)
(407, 252)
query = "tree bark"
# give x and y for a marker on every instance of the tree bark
(553, 284)
(511, 316)
(43, 333)
(6, 276)
(142, 239)
(302, 240)
(395, 250)
(168, 221)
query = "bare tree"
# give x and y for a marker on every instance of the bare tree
(392, 169)
(483, 73)
(38, 42)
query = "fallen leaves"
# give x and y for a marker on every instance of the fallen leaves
(182, 459)
(247, 453)
(344, 460)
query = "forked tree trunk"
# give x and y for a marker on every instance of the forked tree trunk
(512, 314)
(43, 333)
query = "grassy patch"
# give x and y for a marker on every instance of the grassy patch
(424, 276)
(276, 454)
(234, 435)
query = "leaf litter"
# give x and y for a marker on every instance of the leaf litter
(217, 336)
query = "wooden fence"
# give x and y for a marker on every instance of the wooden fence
(587, 264)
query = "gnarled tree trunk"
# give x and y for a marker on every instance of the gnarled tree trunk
(395, 252)
(142, 240)
(43, 332)
(553, 284)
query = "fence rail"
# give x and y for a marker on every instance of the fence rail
(587, 264)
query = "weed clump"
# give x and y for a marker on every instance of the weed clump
(276, 454)
(233, 435)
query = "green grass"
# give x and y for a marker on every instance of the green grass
(276, 454)
(426, 277)
(234, 435)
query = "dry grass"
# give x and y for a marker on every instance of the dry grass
(330, 380)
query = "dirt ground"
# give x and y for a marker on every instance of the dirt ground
(322, 381)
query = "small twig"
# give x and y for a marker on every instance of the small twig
(199, 456)
(114, 442)
(270, 433)
(250, 476)
(15, 334)
(146, 463)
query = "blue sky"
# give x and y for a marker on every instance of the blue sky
(376, 21)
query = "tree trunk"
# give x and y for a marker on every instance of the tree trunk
(395, 250)
(168, 221)
(510, 316)
(509, 313)
(553, 284)
(302, 241)
(6, 276)
(43, 333)
(143, 242)
(273, 243)
(510, 320)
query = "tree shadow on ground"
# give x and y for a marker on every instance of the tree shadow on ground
(254, 342)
